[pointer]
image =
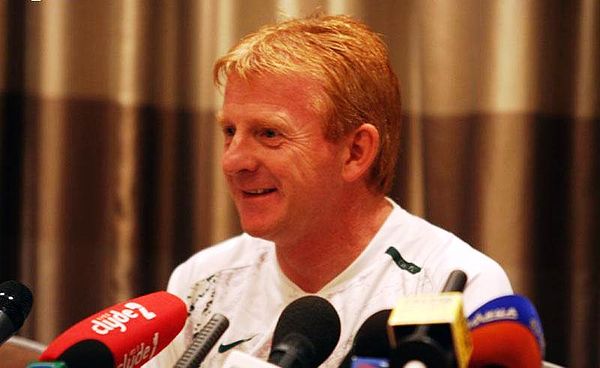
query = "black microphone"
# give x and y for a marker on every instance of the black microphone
(456, 282)
(431, 329)
(306, 333)
(371, 340)
(15, 304)
(203, 341)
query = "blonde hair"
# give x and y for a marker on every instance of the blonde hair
(348, 60)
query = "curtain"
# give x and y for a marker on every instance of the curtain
(109, 154)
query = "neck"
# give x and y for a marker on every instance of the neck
(315, 259)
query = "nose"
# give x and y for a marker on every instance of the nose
(239, 156)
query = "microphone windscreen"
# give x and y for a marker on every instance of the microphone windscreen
(371, 339)
(507, 332)
(456, 281)
(315, 320)
(505, 344)
(127, 334)
(94, 353)
(16, 301)
(203, 342)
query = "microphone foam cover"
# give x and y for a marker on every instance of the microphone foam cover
(505, 344)
(16, 301)
(507, 331)
(132, 332)
(314, 318)
(515, 308)
(80, 353)
(371, 339)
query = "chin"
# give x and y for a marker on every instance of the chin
(257, 230)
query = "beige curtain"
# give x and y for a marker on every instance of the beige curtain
(110, 157)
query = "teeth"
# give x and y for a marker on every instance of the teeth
(258, 191)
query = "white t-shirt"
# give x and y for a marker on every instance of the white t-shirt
(241, 279)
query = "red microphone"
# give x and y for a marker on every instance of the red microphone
(507, 332)
(126, 335)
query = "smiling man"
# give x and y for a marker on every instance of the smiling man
(311, 121)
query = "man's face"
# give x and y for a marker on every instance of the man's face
(283, 175)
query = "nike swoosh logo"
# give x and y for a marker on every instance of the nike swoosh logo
(225, 347)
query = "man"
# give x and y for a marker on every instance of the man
(311, 120)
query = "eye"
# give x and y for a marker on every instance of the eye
(228, 131)
(270, 137)
(269, 133)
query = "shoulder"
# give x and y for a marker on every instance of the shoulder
(486, 279)
(440, 252)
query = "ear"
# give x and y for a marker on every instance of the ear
(362, 147)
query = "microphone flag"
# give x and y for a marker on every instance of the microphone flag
(506, 332)
(126, 335)
(447, 332)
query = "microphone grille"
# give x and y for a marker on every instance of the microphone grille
(371, 340)
(16, 301)
(88, 353)
(203, 341)
(314, 318)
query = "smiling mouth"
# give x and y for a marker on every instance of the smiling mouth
(258, 192)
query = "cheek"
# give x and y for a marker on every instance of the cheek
(319, 174)
(306, 164)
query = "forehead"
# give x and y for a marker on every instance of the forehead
(294, 93)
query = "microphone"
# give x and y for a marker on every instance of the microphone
(371, 341)
(15, 304)
(203, 341)
(431, 330)
(306, 333)
(456, 282)
(507, 332)
(125, 335)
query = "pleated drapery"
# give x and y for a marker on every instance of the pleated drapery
(109, 152)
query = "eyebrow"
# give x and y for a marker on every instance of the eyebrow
(219, 117)
(276, 120)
